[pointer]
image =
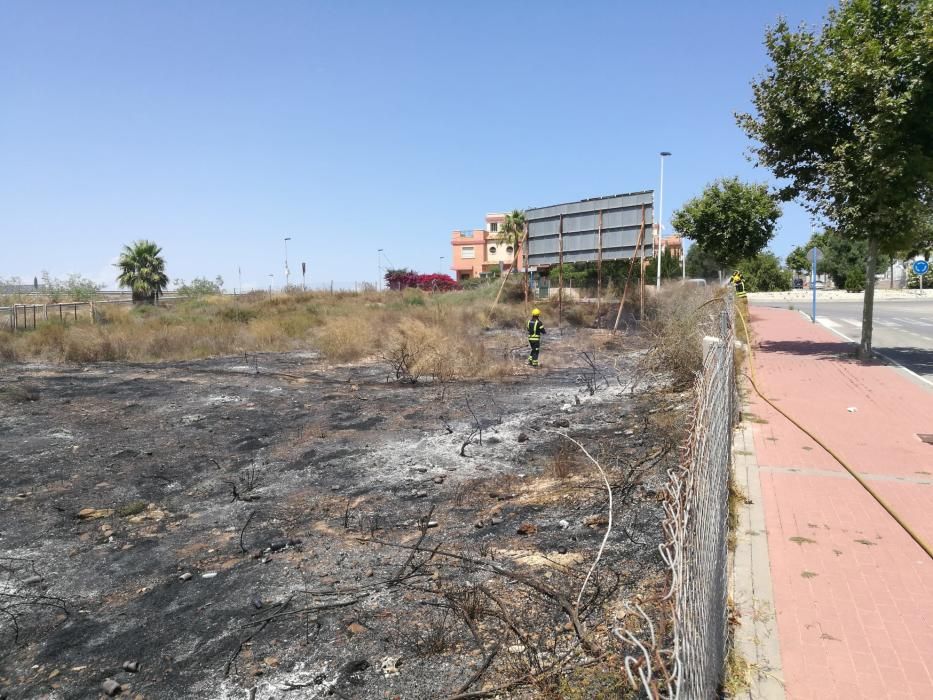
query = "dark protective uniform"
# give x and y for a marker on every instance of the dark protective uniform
(739, 283)
(535, 329)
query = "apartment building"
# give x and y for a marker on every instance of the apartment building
(477, 252)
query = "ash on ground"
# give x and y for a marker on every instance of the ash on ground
(270, 526)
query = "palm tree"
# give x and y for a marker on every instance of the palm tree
(512, 233)
(142, 269)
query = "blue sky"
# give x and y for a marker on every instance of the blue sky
(217, 128)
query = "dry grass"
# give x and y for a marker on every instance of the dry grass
(679, 319)
(443, 329)
(564, 462)
(737, 499)
(737, 675)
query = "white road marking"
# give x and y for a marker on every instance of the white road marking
(857, 324)
(831, 325)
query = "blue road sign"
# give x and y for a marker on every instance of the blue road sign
(921, 267)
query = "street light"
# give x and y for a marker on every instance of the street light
(442, 264)
(286, 262)
(271, 281)
(657, 253)
(379, 267)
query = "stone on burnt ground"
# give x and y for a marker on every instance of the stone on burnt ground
(185, 577)
(131, 666)
(522, 437)
(527, 529)
(561, 423)
(111, 687)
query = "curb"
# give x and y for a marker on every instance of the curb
(756, 634)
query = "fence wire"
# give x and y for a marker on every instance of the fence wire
(697, 523)
(696, 529)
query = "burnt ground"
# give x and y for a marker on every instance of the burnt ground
(346, 534)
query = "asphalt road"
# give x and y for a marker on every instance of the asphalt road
(902, 330)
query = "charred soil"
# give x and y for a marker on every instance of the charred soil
(271, 526)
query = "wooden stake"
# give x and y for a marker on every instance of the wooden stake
(638, 244)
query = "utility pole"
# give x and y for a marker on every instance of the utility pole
(286, 262)
(271, 280)
(657, 252)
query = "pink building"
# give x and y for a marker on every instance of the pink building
(478, 252)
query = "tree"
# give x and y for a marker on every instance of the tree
(670, 267)
(797, 260)
(142, 269)
(731, 220)
(763, 273)
(702, 264)
(846, 261)
(199, 287)
(843, 118)
(512, 232)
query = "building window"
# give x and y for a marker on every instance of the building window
(493, 227)
(466, 234)
(467, 252)
(509, 250)
(492, 250)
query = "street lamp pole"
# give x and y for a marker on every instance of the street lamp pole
(657, 252)
(271, 281)
(442, 265)
(379, 267)
(286, 263)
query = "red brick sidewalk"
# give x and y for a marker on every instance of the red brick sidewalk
(853, 593)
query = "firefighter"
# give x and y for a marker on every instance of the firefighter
(739, 283)
(535, 329)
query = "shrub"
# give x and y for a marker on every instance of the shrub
(7, 347)
(405, 279)
(580, 314)
(237, 313)
(91, 344)
(344, 339)
(414, 349)
(678, 322)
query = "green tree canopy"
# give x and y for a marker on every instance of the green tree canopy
(142, 269)
(763, 273)
(797, 259)
(731, 220)
(199, 287)
(670, 267)
(702, 264)
(843, 118)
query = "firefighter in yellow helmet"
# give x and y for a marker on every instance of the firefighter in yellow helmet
(535, 330)
(739, 283)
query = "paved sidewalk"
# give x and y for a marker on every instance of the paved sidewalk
(853, 593)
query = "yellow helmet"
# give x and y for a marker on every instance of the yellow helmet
(536, 312)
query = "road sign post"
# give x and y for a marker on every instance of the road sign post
(814, 255)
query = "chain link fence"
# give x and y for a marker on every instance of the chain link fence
(697, 523)
(696, 539)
